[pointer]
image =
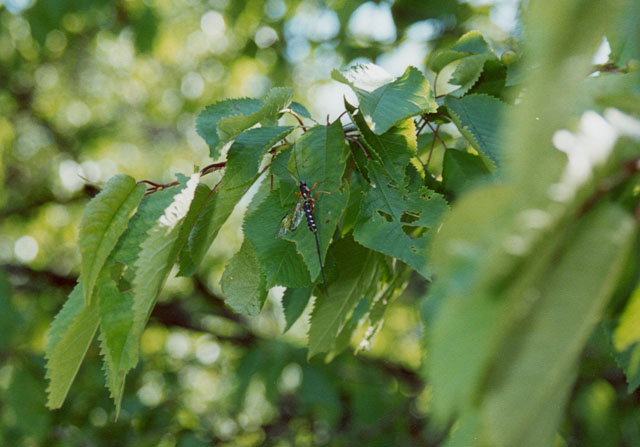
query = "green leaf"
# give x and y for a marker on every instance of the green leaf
(390, 215)
(158, 252)
(317, 158)
(471, 43)
(149, 211)
(278, 258)
(356, 268)
(242, 282)
(207, 120)
(385, 100)
(300, 109)
(542, 350)
(294, 302)
(243, 161)
(393, 149)
(202, 195)
(69, 338)
(277, 99)
(467, 73)
(328, 210)
(629, 361)
(627, 333)
(478, 118)
(104, 219)
(461, 170)
(116, 321)
(221, 122)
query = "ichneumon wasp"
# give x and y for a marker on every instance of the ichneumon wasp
(304, 207)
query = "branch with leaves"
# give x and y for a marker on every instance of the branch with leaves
(368, 227)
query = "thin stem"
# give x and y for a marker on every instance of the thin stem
(159, 186)
(337, 119)
(359, 143)
(433, 143)
(435, 133)
(297, 117)
(424, 123)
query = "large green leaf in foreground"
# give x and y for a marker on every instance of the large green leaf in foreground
(542, 351)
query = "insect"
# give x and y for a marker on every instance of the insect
(304, 208)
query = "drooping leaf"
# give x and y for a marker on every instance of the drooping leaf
(202, 195)
(543, 350)
(394, 148)
(356, 267)
(243, 284)
(354, 321)
(278, 258)
(294, 302)
(243, 161)
(116, 321)
(385, 100)
(478, 118)
(158, 252)
(104, 219)
(70, 335)
(389, 215)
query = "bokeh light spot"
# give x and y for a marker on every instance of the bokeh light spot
(26, 249)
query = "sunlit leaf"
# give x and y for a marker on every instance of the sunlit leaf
(386, 100)
(627, 332)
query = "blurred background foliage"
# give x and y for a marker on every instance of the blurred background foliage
(97, 87)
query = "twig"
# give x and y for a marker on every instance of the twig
(159, 186)
(297, 117)
(433, 143)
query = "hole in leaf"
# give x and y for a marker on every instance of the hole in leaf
(410, 216)
(388, 217)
